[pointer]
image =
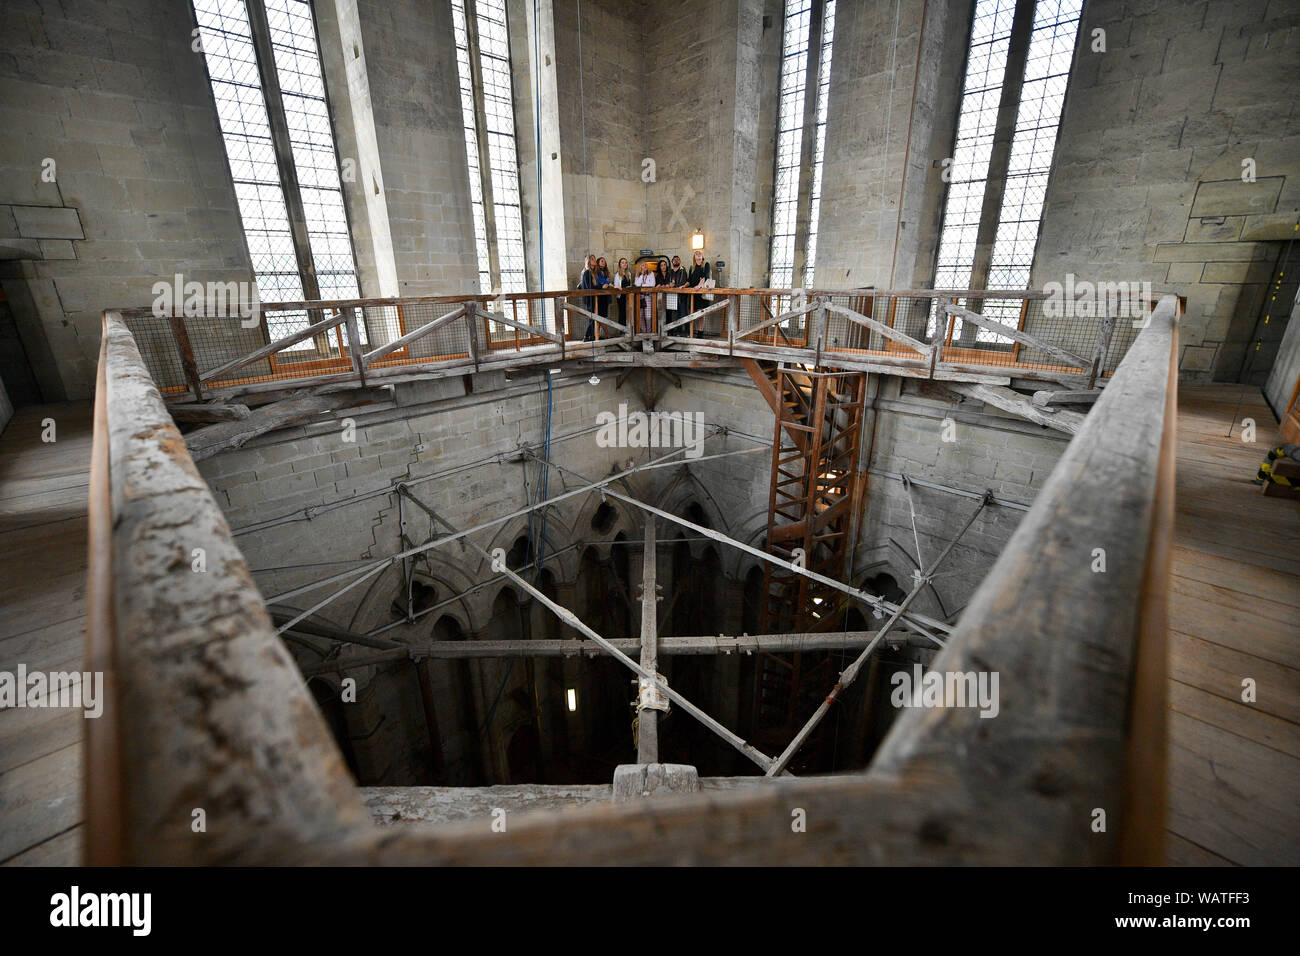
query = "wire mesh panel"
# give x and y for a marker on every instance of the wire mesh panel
(157, 345)
(759, 307)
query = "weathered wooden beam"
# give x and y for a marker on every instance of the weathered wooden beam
(1045, 397)
(1021, 405)
(206, 442)
(202, 412)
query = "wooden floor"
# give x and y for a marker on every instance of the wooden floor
(1234, 613)
(42, 624)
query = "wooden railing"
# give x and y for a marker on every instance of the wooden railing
(208, 716)
(938, 334)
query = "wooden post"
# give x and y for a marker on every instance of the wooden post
(1024, 311)
(1103, 345)
(471, 331)
(188, 364)
(354, 344)
(647, 738)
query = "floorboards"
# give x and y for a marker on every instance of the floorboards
(43, 492)
(1234, 614)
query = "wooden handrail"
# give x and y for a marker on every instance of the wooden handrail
(207, 692)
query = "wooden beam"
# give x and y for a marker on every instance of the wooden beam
(886, 330)
(1045, 397)
(1021, 405)
(202, 412)
(412, 336)
(206, 442)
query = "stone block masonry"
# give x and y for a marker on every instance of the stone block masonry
(1177, 164)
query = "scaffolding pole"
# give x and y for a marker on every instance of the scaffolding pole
(382, 563)
(655, 682)
(872, 600)
(850, 673)
(647, 702)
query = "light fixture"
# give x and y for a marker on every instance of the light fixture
(572, 695)
(594, 380)
(697, 240)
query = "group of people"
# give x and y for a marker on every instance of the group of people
(677, 305)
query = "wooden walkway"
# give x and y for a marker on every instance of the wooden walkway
(42, 624)
(1234, 613)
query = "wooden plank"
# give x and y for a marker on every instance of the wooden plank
(1183, 852)
(1232, 796)
(214, 412)
(39, 800)
(1243, 632)
(1066, 396)
(1234, 717)
(1219, 669)
(1283, 614)
(63, 849)
(1269, 583)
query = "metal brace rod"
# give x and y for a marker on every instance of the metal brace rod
(872, 600)
(571, 619)
(911, 507)
(659, 462)
(850, 673)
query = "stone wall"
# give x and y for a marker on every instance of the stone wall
(603, 99)
(114, 95)
(1148, 182)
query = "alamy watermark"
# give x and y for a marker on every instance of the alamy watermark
(1084, 299)
(219, 299)
(652, 430)
(54, 689)
(935, 689)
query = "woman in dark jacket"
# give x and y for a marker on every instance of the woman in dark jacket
(677, 302)
(698, 278)
(588, 281)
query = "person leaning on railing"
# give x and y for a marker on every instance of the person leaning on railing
(700, 277)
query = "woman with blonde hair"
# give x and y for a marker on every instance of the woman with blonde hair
(700, 277)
